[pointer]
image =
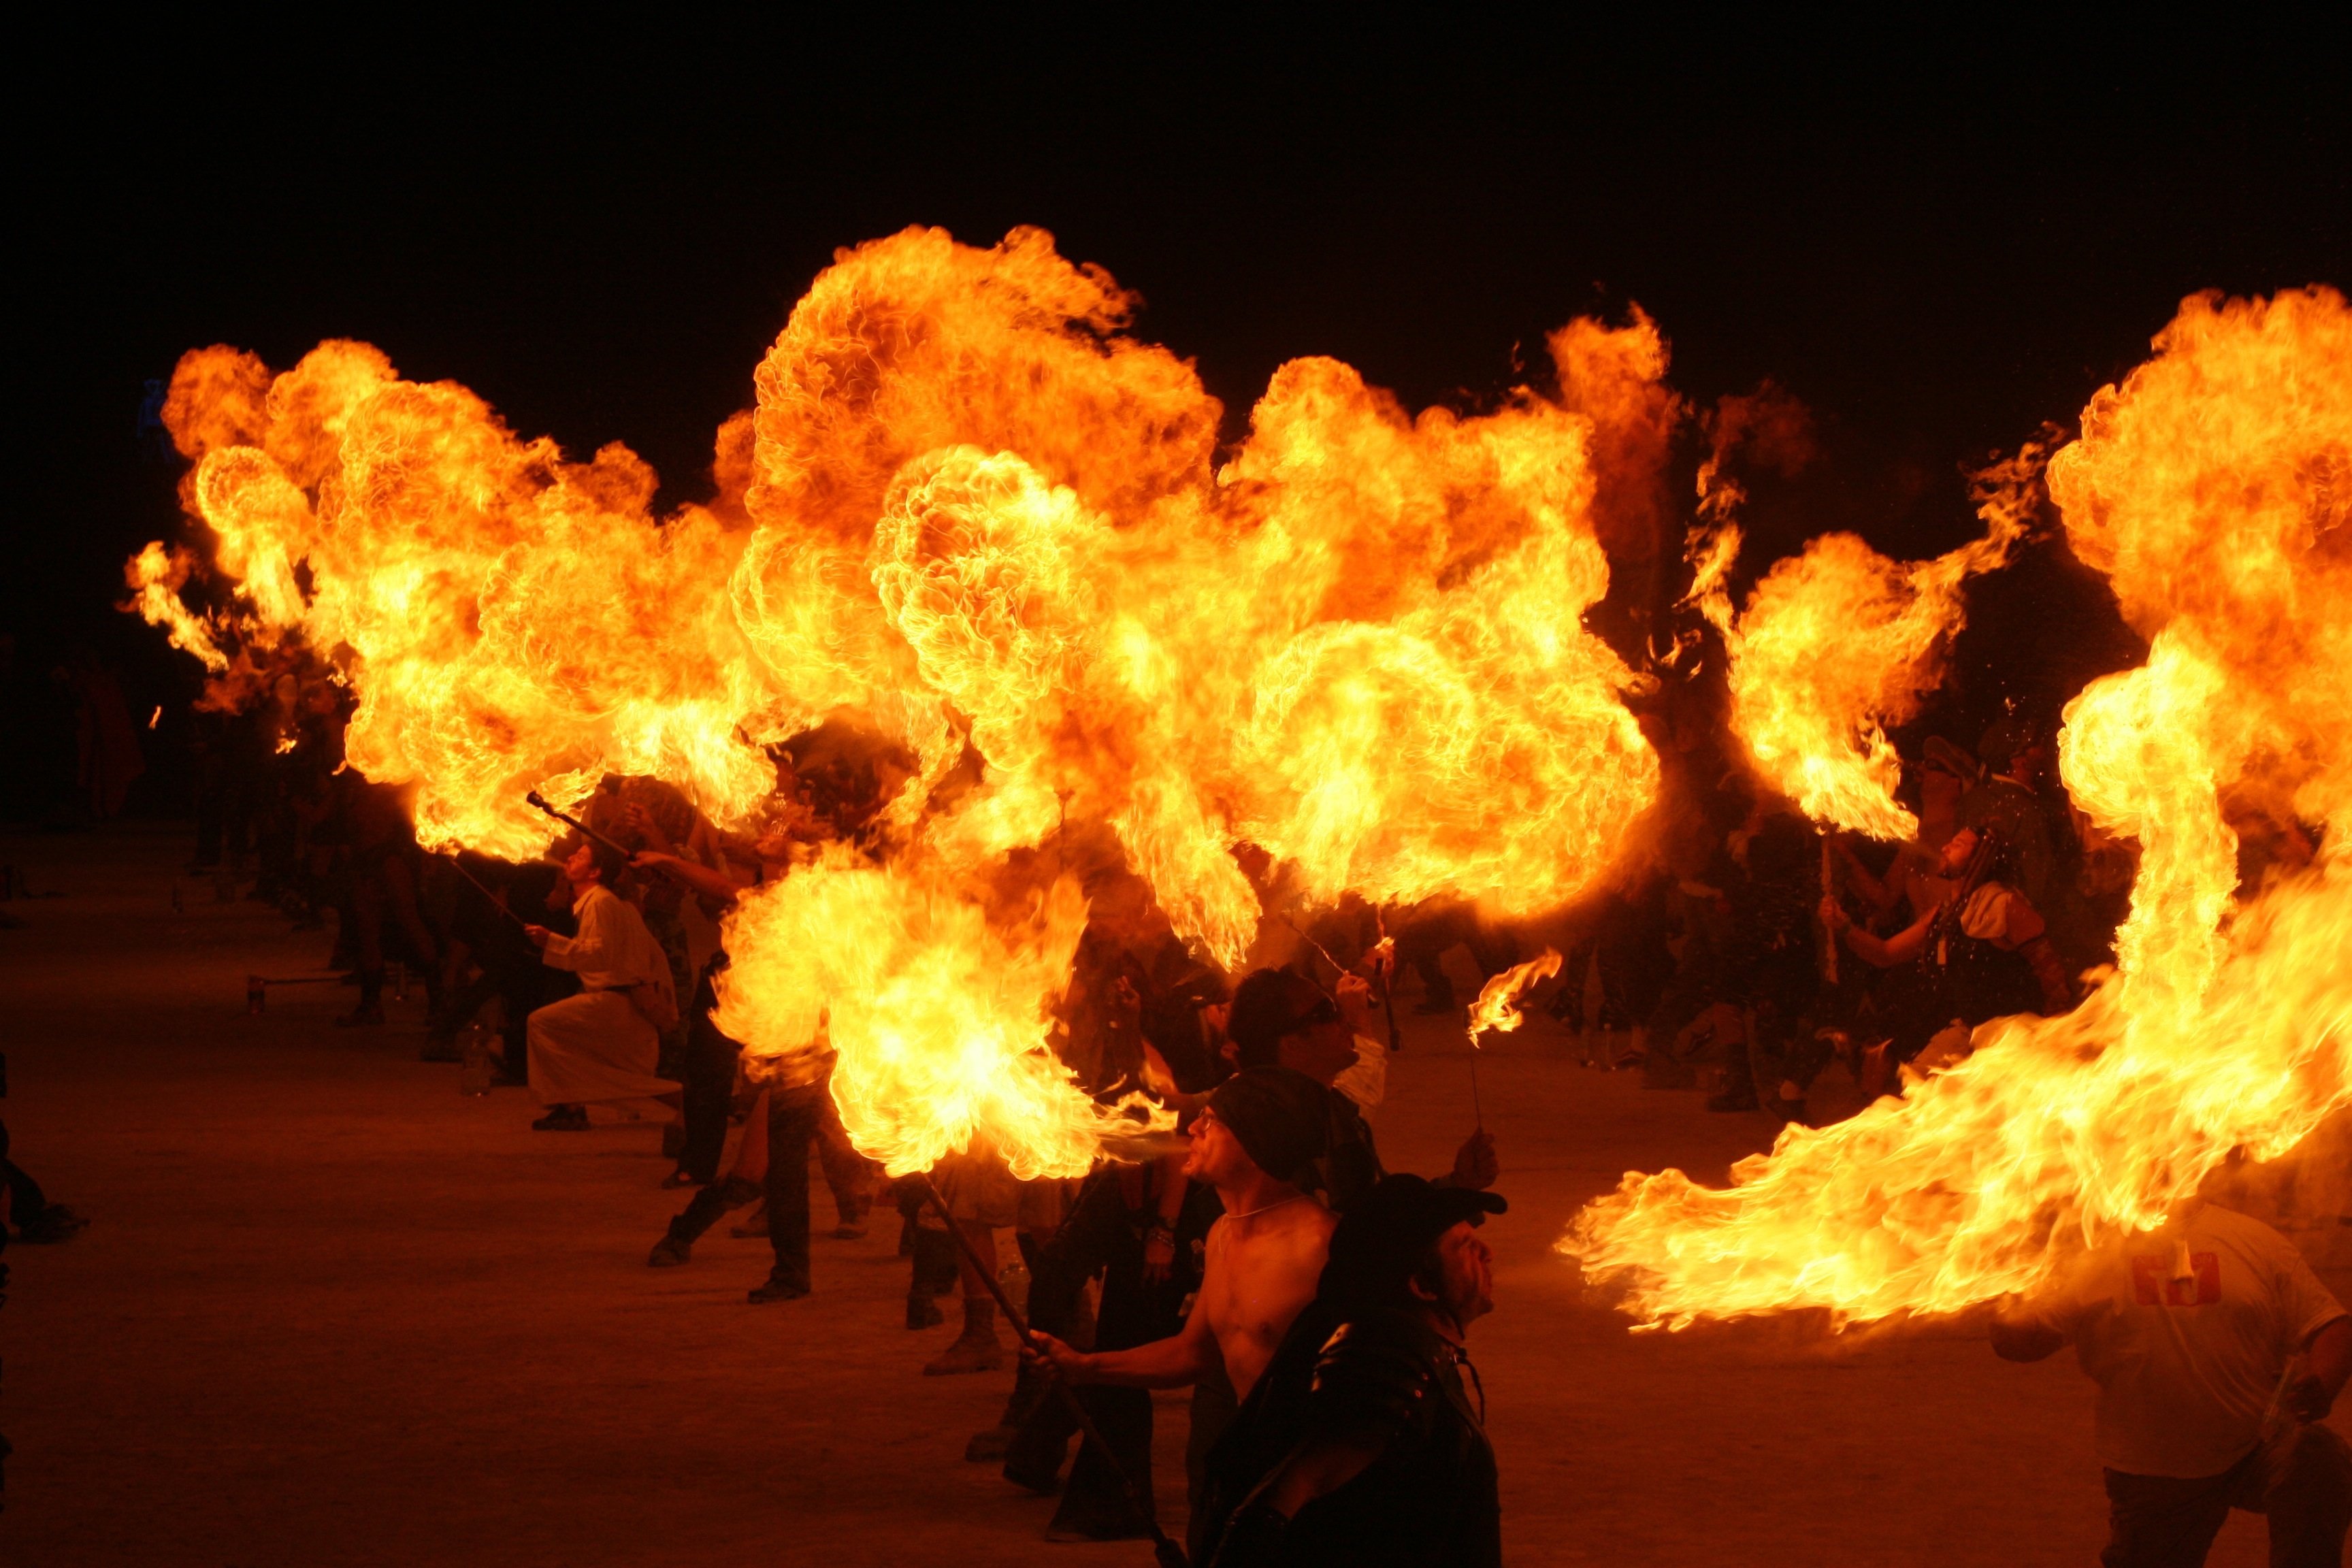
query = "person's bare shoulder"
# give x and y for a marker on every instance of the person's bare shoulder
(1307, 1229)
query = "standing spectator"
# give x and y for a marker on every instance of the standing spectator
(2217, 1353)
(2007, 801)
(1772, 973)
(107, 741)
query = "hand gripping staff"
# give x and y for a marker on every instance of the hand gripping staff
(1169, 1553)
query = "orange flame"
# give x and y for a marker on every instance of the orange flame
(1840, 642)
(938, 1018)
(155, 576)
(1496, 1011)
(2214, 486)
(974, 516)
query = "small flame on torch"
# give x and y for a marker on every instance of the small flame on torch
(1497, 1010)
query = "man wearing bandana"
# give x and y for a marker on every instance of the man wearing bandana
(1264, 1257)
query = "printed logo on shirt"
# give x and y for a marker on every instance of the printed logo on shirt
(2153, 1287)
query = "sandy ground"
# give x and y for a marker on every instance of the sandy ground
(331, 1311)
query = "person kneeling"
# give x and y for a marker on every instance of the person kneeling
(603, 1044)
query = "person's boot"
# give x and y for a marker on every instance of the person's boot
(51, 1222)
(779, 1286)
(677, 1245)
(850, 1211)
(995, 1444)
(934, 1275)
(977, 1349)
(753, 1224)
(369, 1012)
(671, 1250)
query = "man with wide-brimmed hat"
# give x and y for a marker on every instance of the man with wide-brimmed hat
(1362, 1442)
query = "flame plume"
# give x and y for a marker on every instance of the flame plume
(1496, 1011)
(972, 516)
(1839, 643)
(2214, 486)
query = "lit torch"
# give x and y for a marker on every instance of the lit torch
(1496, 1011)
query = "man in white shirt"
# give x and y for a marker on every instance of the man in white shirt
(2217, 1353)
(602, 1046)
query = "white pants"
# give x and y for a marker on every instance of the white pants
(593, 1047)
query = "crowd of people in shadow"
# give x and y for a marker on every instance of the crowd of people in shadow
(1317, 1305)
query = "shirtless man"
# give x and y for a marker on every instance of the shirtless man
(1264, 1256)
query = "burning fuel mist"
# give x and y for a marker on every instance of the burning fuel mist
(972, 515)
(2214, 487)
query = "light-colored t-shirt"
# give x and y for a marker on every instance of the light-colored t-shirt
(1366, 1083)
(2001, 916)
(2187, 1331)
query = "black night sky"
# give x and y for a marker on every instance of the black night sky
(1937, 242)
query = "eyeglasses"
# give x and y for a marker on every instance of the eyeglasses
(1325, 1010)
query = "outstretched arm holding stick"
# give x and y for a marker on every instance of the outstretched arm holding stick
(1169, 1553)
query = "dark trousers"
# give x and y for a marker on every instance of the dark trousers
(27, 1202)
(2302, 1479)
(525, 986)
(710, 1066)
(797, 1117)
(1430, 935)
(1103, 1235)
(708, 1207)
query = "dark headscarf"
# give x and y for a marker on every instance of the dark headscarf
(1279, 1114)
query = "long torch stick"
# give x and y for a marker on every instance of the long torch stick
(1170, 1554)
(1300, 933)
(1478, 1110)
(1830, 943)
(535, 799)
(1496, 1009)
(459, 866)
(1385, 967)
